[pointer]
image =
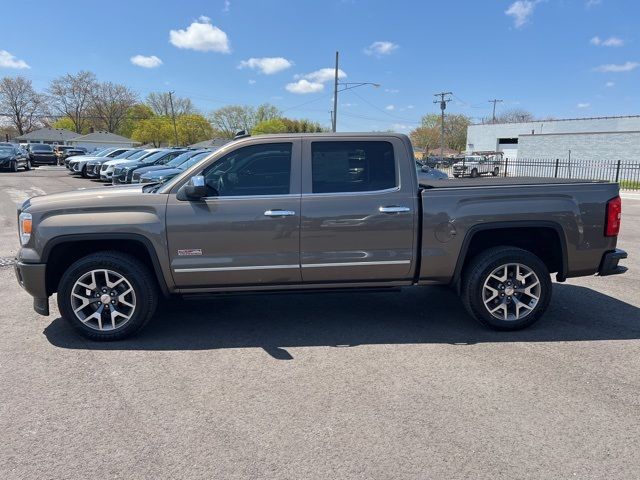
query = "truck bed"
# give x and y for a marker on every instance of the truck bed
(501, 181)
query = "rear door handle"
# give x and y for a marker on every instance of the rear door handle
(394, 209)
(279, 213)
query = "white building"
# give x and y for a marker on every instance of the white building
(603, 138)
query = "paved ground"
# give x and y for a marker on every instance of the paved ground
(333, 386)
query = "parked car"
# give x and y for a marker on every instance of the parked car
(427, 173)
(13, 157)
(107, 168)
(79, 164)
(313, 212)
(93, 166)
(439, 162)
(42, 153)
(477, 165)
(72, 152)
(123, 172)
(167, 172)
(179, 160)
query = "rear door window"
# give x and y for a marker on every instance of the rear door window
(352, 166)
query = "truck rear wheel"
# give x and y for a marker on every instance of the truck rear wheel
(107, 296)
(474, 173)
(506, 288)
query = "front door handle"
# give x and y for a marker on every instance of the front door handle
(279, 213)
(394, 209)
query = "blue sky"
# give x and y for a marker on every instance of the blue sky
(560, 58)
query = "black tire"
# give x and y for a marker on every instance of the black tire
(456, 176)
(136, 274)
(474, 173)
(495, 172)
(83, 173)
(14, 166)
(480, 269)
(27, 165)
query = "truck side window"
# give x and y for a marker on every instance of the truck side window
(263, 169)
(352, 166)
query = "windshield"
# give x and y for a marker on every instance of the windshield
(180, 159)
(127, 154)
(41, 148)
(101, 153)
(156, 156)
(138, 154)
(193, 160)
(6, 149)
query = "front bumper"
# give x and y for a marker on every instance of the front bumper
(47, 159)
(32, 277)
(609, 263)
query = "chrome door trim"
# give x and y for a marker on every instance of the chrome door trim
(230, 269)
(279, 213)
(355, 264)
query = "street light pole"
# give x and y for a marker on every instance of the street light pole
(173, 116)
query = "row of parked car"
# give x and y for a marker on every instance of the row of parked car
(14, 156)
(134, 165)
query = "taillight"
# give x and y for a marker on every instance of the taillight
(614, 214)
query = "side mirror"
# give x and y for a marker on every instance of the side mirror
(194, 189)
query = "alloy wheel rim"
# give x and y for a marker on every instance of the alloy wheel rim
(511, 292)
(103, 300)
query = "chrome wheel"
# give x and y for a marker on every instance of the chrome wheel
(103, 300)
(511, 291)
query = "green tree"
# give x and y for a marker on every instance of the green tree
(156, 131)
(67, 124)
(425, 138)
(134, 115)
(275, 125)
(302, 126)
(193, 128)
(455, 131)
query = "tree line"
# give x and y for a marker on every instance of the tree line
(81, 103)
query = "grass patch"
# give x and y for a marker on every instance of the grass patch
(629, 184)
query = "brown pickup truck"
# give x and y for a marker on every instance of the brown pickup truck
(313, 211)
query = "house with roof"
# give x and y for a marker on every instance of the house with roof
(101, 139)
(52, 136)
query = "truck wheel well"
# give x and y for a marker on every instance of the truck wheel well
(64, 254)
(544, 242)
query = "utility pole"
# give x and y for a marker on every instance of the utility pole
(173, 116)
(494, 101)
(443, 105)
(335, 98)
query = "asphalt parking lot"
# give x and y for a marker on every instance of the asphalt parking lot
(389, 385)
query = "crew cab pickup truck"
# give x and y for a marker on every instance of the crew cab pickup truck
(297, 212)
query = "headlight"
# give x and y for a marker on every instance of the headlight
(25, 223)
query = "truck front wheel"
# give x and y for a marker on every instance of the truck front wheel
(107, 295)
(506, 288)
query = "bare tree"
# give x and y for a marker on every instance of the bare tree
(228, 120)
(160, 103)
(516, 115)
(71, 96)
(25, 107)
(110, 103)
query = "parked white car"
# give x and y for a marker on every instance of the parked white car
(107, 168)
(78, 164)
(476, 165)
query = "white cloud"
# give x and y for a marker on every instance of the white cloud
(615, 68)
(313, 82)
(227, 6)
(521, 11)
(390, 107)
(323, 75)
(303, 86)
(9, 61)
(146, 62)
(400, 127)
(410, 107)
(267, 65)
(583, 105)
(391, 90)
(593, 3)
(609, 42)
(380, 48)
(609, 84)
(202, 36)
(252, 82)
